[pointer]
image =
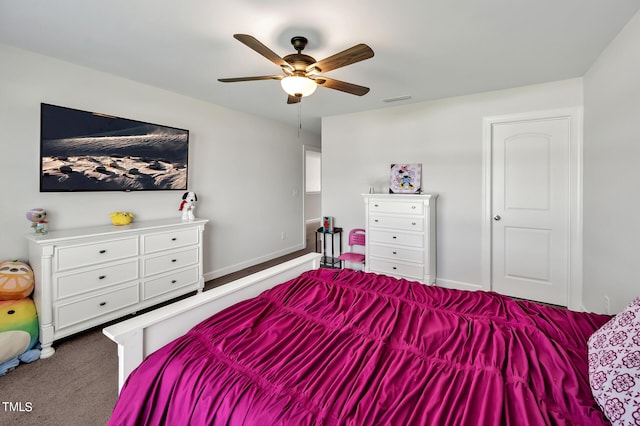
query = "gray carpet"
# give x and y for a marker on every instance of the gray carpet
(78, 385)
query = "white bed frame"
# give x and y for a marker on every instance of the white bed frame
(140, 336)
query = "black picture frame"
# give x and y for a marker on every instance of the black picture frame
(89, 151)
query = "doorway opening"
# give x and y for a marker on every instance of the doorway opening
(312, 194)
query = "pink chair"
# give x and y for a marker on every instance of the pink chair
(356, 238)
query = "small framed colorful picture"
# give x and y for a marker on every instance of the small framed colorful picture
(327, 224)
(405, 179)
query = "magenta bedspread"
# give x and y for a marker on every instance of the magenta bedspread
(338, 347)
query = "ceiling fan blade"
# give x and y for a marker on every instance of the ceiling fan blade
(343, 86)
(294, 99)
(354, 54)
(256, 45)
(261, 77)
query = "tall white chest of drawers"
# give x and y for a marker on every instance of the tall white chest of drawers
(88, 276)
(401, 235)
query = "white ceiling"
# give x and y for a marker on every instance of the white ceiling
(428, 49)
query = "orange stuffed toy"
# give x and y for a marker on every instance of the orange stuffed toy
(16, 280)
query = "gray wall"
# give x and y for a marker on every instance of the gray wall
(446, 136)
(612, 173)
(247, 171)
(312, 207)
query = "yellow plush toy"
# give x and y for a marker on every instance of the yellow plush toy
(121, 218)
(18, 333)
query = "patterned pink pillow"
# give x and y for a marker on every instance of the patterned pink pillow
(614, 366)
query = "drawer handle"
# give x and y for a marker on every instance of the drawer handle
(375, 205)
(394, 252)
(174, 239)
(394, 237)
(174, 260)
(102, 251)
(413, 223)
(173, 281)
(413, 207)
(103, 303)
(102, 277)
(394, 268)
(376, 220)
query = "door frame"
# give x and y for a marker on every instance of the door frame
(306, 148)
(575, 116)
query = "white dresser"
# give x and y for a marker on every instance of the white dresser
(401, 235)
(88, 276)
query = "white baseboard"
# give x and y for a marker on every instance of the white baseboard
(251, 262)
(597, 311)
(459, 285)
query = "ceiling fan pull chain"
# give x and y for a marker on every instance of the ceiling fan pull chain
(299, 118)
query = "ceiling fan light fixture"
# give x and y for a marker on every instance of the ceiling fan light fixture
(298, 86)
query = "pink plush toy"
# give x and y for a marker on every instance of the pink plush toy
(38, 218)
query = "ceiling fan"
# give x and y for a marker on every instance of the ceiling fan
(302, 72)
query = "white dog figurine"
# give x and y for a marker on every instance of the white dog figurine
(188, 205)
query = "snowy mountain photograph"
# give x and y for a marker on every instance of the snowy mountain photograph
(84, 151)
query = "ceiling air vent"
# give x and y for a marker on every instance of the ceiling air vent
(397, 98)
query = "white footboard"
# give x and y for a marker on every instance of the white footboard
(144, 334)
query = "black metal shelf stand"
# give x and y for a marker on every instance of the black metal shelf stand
(329, 261)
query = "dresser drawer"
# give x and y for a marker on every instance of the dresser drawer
(171, 282)
(153, 243)
(389, 267)
(407, 223)
(396, 238)
(96, 278)
(397, 253)
(92, 253)
(95, 306)
(402, 207)
(167, 262)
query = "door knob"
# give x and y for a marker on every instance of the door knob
(497, 217)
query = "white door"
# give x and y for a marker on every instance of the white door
(530, 209)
